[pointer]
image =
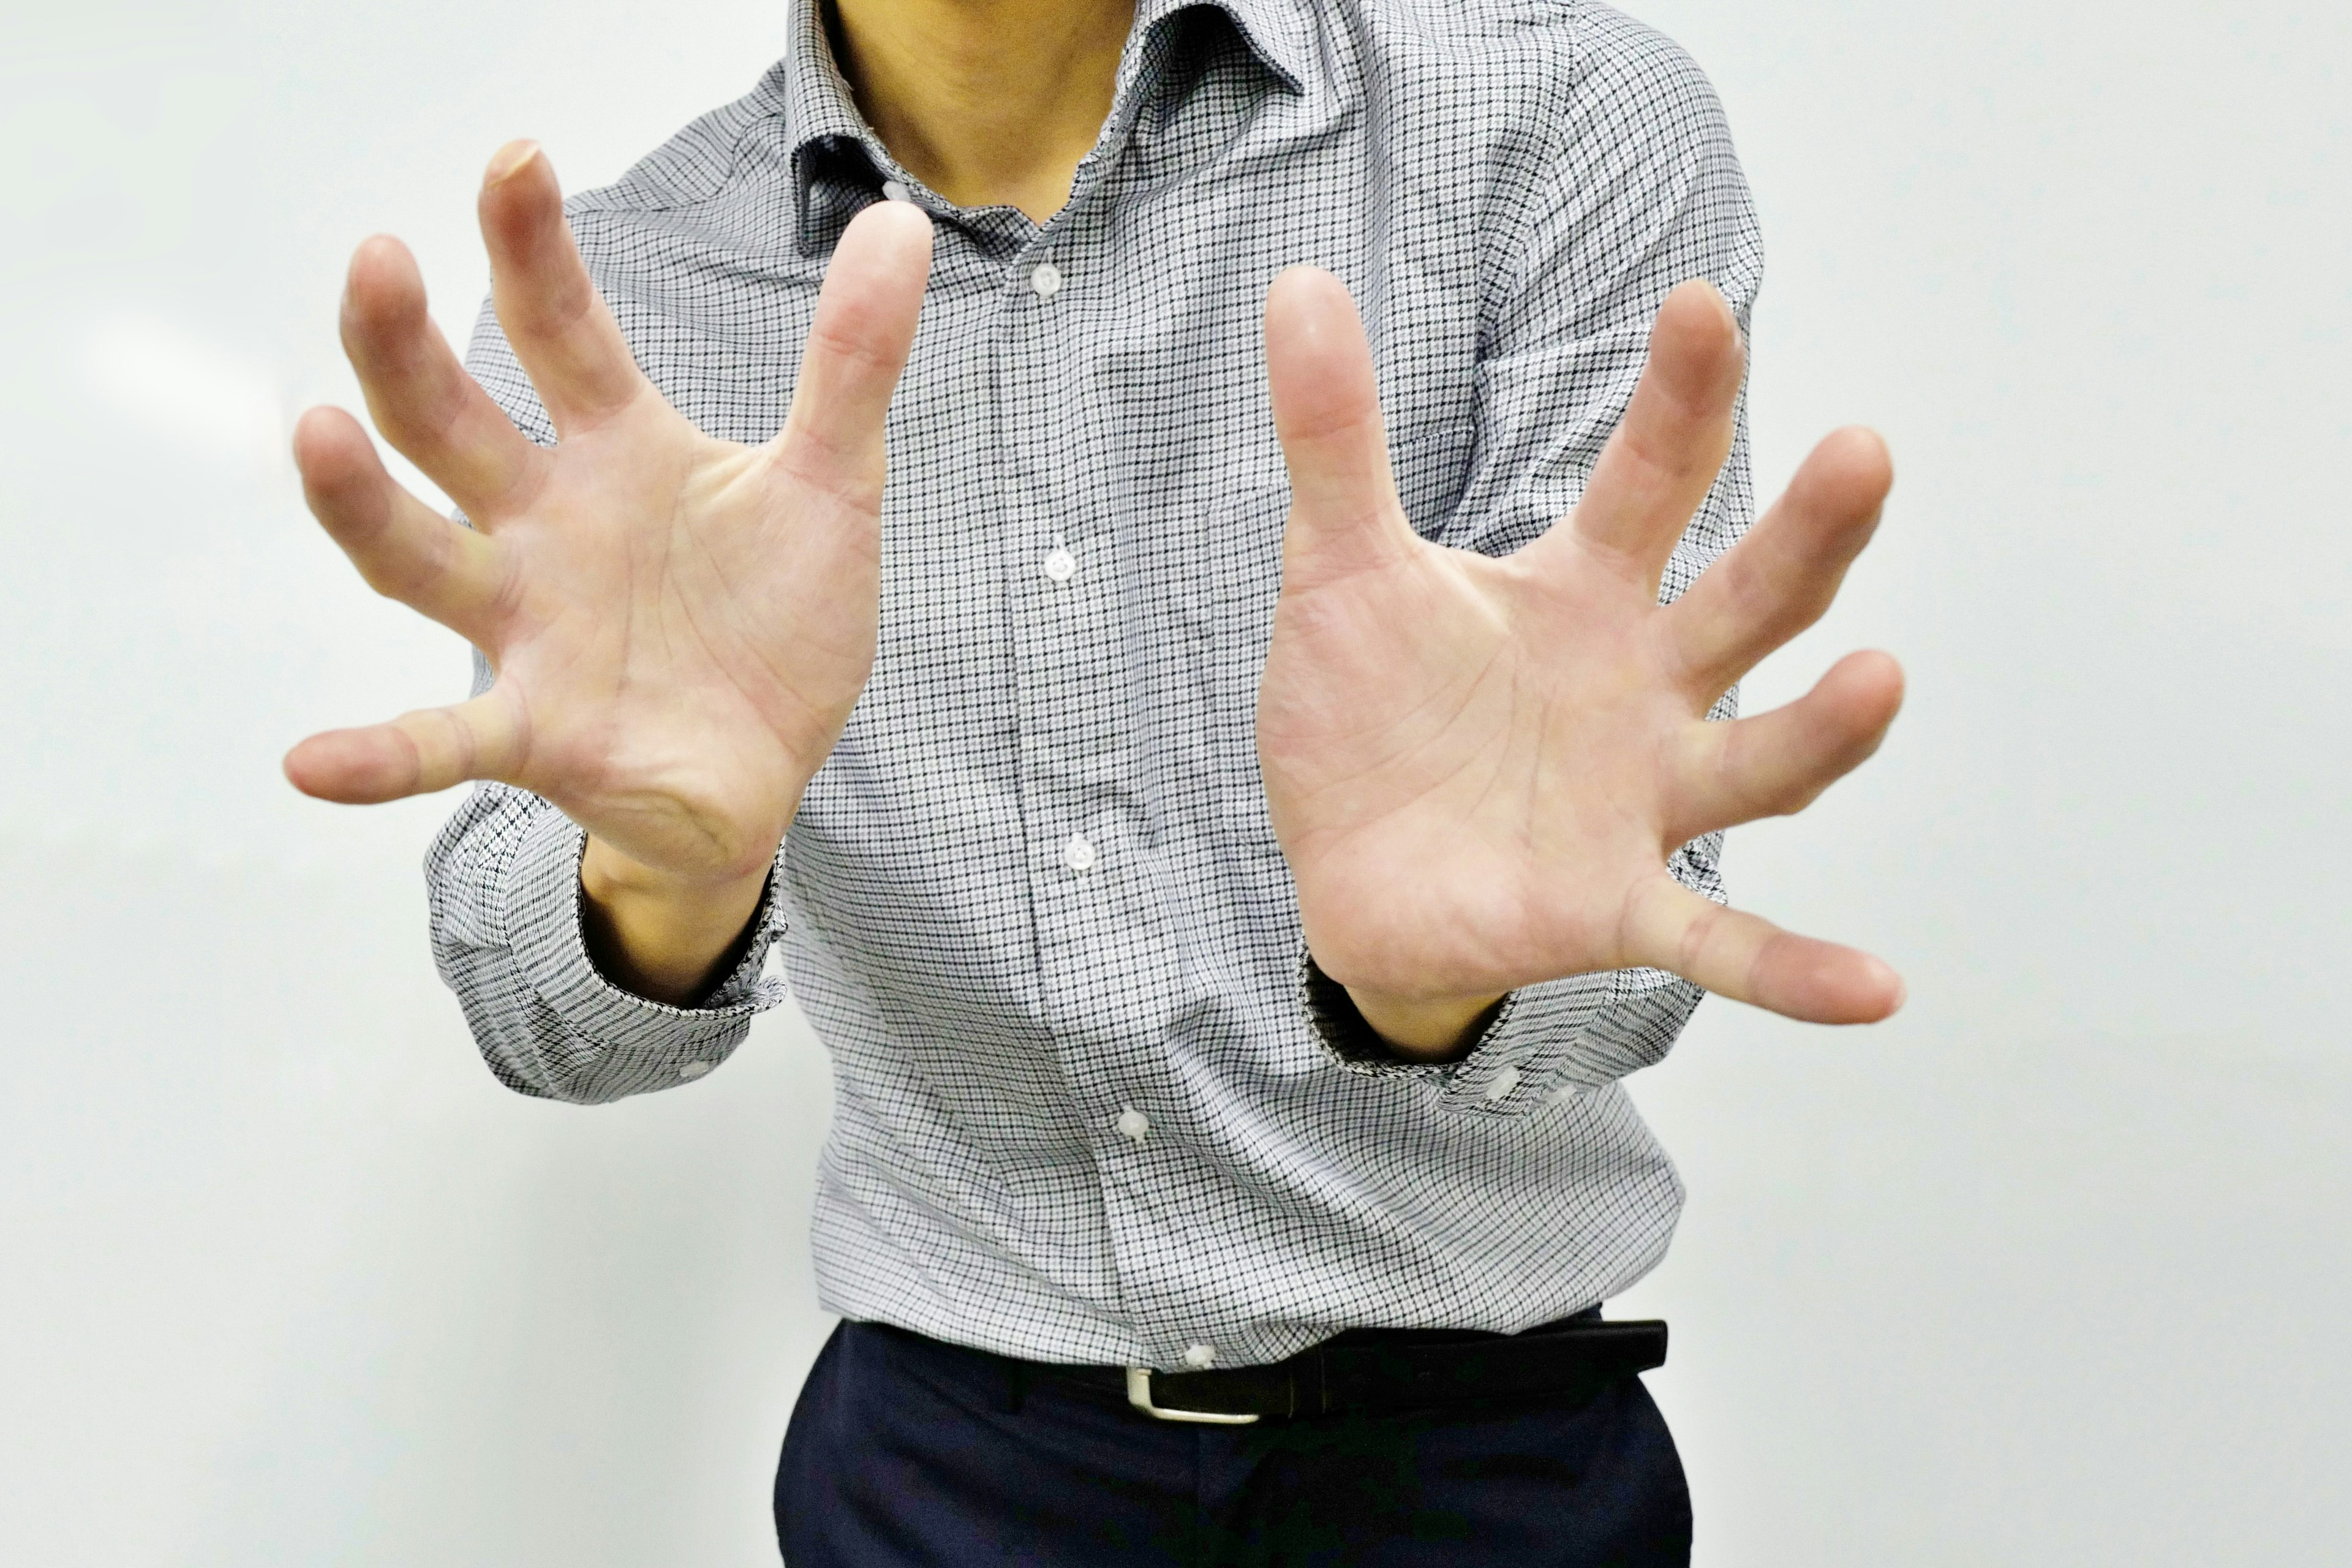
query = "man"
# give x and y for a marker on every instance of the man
(1231, 846)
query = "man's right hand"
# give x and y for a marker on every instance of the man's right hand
(678, 625)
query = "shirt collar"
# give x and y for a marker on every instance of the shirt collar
(823, 125)
(1277, 31)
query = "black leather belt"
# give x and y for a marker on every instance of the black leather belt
(1566, 1362)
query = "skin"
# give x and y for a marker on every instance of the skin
(988, 103)
(1477, 768)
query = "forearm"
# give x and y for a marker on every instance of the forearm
(660, 937)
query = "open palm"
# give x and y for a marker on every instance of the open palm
(679, 625)
(1478, 768)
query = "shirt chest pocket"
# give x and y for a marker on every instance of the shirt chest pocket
(1234, 575)
(1226, 616)
(1223, 620)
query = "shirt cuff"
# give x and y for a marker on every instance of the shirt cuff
(542, 914)
(1545, 1042)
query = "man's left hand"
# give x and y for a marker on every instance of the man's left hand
(1479, 768)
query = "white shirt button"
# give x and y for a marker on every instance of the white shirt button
(1060, 565)
(1133, 1124)
(1200, 1357)
(692, 1069)
(1506, 1079)
(1047, 279)
(894, 190)
(1078, 854)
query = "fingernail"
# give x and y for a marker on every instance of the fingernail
(511, 157)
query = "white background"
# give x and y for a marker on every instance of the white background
(2052, 1270)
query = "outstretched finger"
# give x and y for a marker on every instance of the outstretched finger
(1780, 762)
(415, 754)
(858, 341)
(556, 321)
(1778, 580)
(1751, 960)
(1666, 453)
(405, 548)
(1344, 513)
(420, 396)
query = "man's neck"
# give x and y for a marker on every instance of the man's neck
(988, 103)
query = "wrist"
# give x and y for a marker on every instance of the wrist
(1424, 1028)
(610, 874)
(659, 935)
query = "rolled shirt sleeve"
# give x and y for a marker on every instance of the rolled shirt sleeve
(503, 880)
(1643, 192)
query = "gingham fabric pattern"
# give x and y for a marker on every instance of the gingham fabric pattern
(1085, 1109)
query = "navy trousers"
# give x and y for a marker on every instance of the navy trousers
(907, 1453)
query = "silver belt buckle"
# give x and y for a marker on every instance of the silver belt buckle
(1138, 1393)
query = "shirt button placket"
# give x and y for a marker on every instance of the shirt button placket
(1061, 722)
(1070, 651)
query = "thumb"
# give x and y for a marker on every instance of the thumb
(1344, 513)
(857, 344)
(415, 754)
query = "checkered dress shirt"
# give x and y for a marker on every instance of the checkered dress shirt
(1090, 1104)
